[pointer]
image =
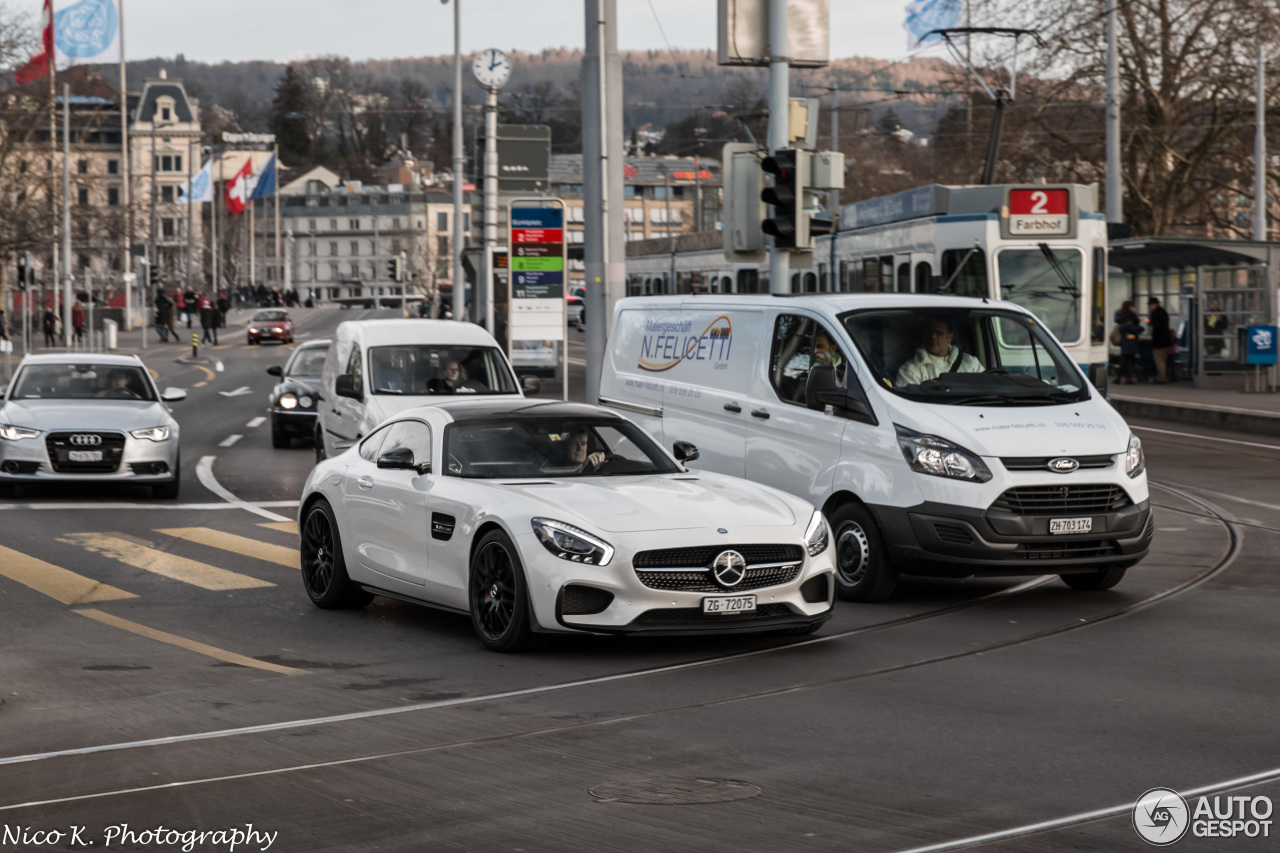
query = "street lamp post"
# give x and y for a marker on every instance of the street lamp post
(459, 286)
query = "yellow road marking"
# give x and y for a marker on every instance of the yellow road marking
(224, 346)
(149, 559)
(184, 643)
(200, 384)
(239, 544)
(155, 377)
(208, 374)
(55, 581)
(282, 526)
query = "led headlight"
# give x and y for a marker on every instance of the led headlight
(159, 433)
(572, 543)
(1135, 461)
(17, 433)
(306, 402)
(815, 537)
(288, 401)
(929, 454)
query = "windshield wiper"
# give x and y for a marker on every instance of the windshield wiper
(1068, 286)
(1015, 399)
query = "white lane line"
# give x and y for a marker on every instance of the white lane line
(63, 507)
(1086, 817)
(1208, 437)
(204, 471)
(230, 440)
(256, 422)
(239, 392)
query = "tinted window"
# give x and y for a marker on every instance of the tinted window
(522, 447)
(798, 344)
(307, 362)
(269, 317)
(355, 367)
(82, 382)
(414, 435)
(431, 370)
(370, 446)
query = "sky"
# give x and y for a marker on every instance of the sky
(238, 30)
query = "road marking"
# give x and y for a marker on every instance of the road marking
(162, 563)
(217, 365)
(282, 526)
(230, 440)
(55, 581)
(1208, 437)
(200, 384)
(1226, 497)
(239, 392)
(62, 507)
(256, 422)
(224, 346)
(208, 374)
(204, 472)
(155, 377)
(279, 554)
(184, 643)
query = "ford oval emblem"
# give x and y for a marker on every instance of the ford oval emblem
(1063, 465)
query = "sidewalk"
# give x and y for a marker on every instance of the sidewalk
(1179, 402)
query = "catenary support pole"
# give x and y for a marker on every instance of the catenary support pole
(67, 329)
(779, 109)
(1260, 156)
(485, 289)
(1115, 183)
(126, 191)
(459, 280)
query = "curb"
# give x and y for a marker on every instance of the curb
(1233, 420)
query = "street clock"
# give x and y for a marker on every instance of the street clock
(492, 68)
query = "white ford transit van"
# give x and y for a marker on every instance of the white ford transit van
(941, 435)
(377, 368)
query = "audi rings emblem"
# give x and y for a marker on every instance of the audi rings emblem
(85, 439)
(730, 568)
(1062, 465)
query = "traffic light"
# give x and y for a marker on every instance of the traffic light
(24, 270)
(395, 268)
(153, 275)
(785, 195)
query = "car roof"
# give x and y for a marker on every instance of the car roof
(393, 332)
(469, 410)
(83, 358)
(836, 303)
(314, 344)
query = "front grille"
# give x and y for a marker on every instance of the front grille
(815, 589)
(59, 446)
(1041, 463)
(705, 582)
(578, 600)
(1065, 550)
(1062, 500)
(701, 556)
(953, 534)
(677, 615)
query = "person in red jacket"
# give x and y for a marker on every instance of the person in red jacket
(77, 319)
(208, 320)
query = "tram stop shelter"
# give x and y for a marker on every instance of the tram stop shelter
(1213, 290)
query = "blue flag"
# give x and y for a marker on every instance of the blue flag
(924, 16)
(266, 184)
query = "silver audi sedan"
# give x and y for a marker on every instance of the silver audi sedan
(78, 417)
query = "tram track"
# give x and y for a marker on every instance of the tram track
(1230, 553)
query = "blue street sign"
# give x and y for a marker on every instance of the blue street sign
(538, 277)
(1262, 345)
(537, 217)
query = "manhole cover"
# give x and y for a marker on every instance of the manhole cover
(674, 791)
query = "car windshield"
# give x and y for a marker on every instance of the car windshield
(419, 369)
(87, 381)
(307, 362)
(542, 447)
(966, 356)
(269, 317)
(1047, 282)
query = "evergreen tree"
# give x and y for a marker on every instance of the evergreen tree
(290, 120)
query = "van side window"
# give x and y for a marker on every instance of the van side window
(798, 344)
(356, 368)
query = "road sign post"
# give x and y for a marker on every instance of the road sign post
(536, 242)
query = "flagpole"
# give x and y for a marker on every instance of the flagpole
(214, 218)
(53, 150)
(253, 213)
(190, 204)
(126, 195)
(275, 179)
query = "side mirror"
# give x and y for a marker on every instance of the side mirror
(345, 386)
(531, 384)
(822, 379)
(684, 451)
(173, 395)
(850, 402)
(275, 370)
(400, 458)
(1098, 377)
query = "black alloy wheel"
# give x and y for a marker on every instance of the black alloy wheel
(324, 571)
(863, 570)
(498, 597)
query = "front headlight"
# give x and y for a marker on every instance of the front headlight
(305, 402)
(17, 433)
(1135, 461)
(572, 543)
(815, 538)
(160, 433)
(288, 401)
(929, 454)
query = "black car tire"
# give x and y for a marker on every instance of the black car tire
(169, 491)
(279, 438)
(1104, 578)
(498, 597)
(863, 570)
(324, 569)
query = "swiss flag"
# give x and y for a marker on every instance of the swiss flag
(38, 66)
(238, 188)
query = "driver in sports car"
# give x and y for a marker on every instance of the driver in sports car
(583, 462)
(936, 357)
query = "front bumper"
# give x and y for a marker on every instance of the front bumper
(140, 461)
(634, 608)
(952, 541)
(294, 421)
(260, 336)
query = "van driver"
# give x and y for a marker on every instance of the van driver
(936, 357)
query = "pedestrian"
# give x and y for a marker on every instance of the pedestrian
(190, 299)
(1130, 329)
(4, 326)
(205, 306)
(77, 319)
(1161, 338)
(179, 306)
(164, 315)
(50, 325)
(224, 305)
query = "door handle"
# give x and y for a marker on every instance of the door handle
(365, 482)
(732, 407)
(335, 411)
(761, 414)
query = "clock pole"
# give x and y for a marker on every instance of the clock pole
(490, 203)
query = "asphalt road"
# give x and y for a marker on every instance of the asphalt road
(161, 666)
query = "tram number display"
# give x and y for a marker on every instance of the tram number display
(1039, 212)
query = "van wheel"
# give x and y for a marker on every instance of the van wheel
(1101, 579)
(863, 571)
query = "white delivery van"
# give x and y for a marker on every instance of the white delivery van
(941, 435)
(377, 368)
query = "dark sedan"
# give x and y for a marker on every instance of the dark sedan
(294, 399)
(271, 325)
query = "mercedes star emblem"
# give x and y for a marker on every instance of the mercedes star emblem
(730, 568)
